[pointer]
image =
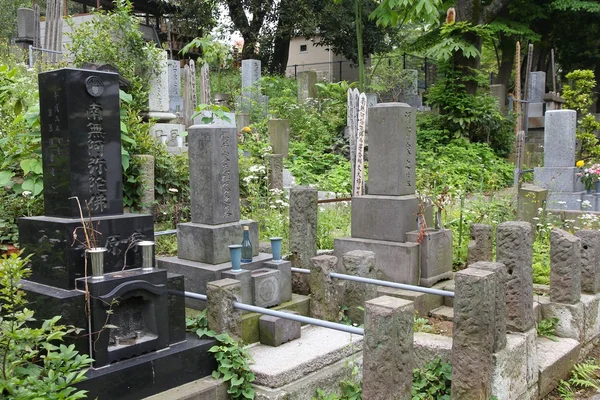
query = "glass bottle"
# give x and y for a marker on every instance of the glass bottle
(246, 246)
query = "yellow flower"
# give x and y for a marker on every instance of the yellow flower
(580, 163)
(246, 129)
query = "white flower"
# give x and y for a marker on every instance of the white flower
(277, 192)
(26, 193)
(586, 204)
(273, 206)
(249, 178)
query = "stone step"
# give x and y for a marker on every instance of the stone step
(317, 348)
(202, 389)
(443, 313)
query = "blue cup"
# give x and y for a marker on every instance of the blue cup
(276, 248)
(235, 252)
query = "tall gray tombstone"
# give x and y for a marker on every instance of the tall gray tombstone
(158, 96)
(307, 86)
(175, 98)
(303, 233)
(411, 88)
(381, 218)
(559, 174)
(537, 86)
(214, 196)
(250, 88)
(26, 32)
(279, 135)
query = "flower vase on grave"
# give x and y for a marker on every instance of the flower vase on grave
(97, 261)
(246, 246)
(235, 252)
(147, 254)
(276, 248)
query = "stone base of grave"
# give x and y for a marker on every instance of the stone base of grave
(48, 302)
(57, 261)
(564, 201)
(206, 388)
(396, 262)
(168, 134)
(590, 202)
(423, 302)
(275, 367)
(250, 321)
(151, 373)
(161, 116)
(384, 217)
(208, 243)
(198, 274)
(556, 359)
(558, 179)
(436, 255)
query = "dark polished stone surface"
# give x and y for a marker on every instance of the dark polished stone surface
(81, 142)
(135, 303)
(48, 302)
(151, 373)
(175, 284)
(57, 261)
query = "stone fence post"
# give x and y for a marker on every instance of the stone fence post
(388, 349)
(303, 233)
(358, 263)
(590, 260)
(480, 247)
(221, 314)
(473, 334)
(565, 267)
(514, 248)
(325, 293)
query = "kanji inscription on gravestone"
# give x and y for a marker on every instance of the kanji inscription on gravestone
(81, 142)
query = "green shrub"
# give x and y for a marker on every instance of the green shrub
(433, 381)
(33, 362)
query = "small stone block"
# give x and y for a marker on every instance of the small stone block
(436, 255)
(285, 278)
(423, 302)
(245, 279)
(266, 287)
(481, 246)
(275, 331)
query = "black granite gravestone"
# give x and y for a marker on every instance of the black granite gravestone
(81, 142)
(136, 316)
(81, 154)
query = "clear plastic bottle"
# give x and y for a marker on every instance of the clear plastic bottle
(246, 246)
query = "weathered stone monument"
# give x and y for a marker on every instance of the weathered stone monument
(537, 89)
(499, 93)
(381, 218)
(559, 174)
(410, 93)
(251, 72)
(307, 86)
(143, 335)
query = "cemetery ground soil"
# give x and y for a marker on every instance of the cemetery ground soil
(583, 394)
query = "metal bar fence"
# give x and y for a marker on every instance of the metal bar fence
(394, 285)
(280, 314)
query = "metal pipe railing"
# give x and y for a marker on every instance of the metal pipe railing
(370, 281)
(167, 232)
(281, 314)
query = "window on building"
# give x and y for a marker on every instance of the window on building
(303, 48)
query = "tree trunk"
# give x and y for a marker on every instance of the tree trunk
(508, 47)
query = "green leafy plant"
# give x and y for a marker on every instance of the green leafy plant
(214, 111)
(547, 328)
(34, 364)
(433, 381)
(232, 359)
(422, 325)
(350, 388)
(583, 376)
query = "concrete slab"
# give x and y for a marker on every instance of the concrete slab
(317, 348)
(444, 313)
(555, 360)
(305, 388)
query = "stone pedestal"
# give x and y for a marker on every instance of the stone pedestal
(383, 217)
(245, 278)
(265, 286)
(209, 243)
(168, 134)
(285, 278)
(435, 254)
